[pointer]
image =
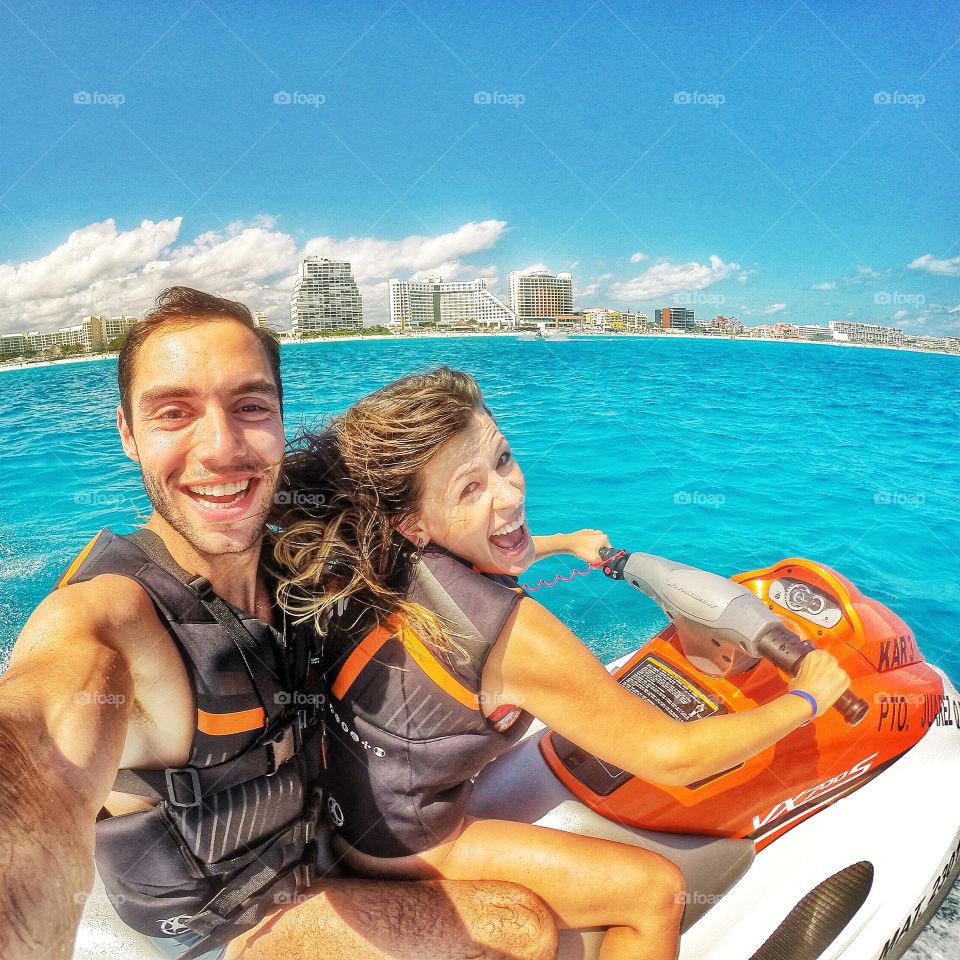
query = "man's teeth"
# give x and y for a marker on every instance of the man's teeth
(510, 527)
(220, 489)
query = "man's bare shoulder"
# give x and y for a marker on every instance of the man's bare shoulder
(110, 609)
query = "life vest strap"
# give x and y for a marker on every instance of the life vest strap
(243, 904)
(187, 786)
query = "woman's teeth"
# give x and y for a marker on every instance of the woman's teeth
(510, 527)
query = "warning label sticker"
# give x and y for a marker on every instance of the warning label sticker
(667, 688)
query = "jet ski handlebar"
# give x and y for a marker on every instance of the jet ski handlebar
(721, 624)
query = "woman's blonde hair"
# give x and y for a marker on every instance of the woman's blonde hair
(347, 490)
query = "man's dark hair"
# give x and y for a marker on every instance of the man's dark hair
(185, 307)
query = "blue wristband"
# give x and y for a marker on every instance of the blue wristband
(808, 697)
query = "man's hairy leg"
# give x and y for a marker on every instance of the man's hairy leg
(432, 920)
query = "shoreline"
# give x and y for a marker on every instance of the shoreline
(510, 334)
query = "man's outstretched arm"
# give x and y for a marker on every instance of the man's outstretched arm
(64, 708)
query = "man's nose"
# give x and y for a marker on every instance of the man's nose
(218, 437)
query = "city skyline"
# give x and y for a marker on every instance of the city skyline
(794, 163)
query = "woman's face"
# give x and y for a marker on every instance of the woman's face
(473, 496)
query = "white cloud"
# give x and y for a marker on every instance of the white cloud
(900, 314)
(859, 277)
(374, 259)
(92, 255)
(533, 268)
(663, 279)
(99, 269)
(638, 257)
(941, 268)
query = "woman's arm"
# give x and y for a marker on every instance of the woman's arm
(585, 544)
(539, 664)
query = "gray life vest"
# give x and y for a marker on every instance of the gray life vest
(406, 732)
(233, 836)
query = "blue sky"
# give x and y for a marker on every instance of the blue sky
(792, 160)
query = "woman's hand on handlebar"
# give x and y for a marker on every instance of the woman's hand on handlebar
(822, 677)
(586, 544)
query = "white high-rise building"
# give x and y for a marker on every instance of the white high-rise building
(540, 296)
(414, 303)
(325, 297)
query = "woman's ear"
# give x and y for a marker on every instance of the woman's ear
(412, 529)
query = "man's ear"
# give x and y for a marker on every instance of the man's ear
(126, 436)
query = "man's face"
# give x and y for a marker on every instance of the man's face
(207, 432)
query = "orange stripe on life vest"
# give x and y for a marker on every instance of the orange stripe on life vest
(419, 653)
(223, 724)
(435, 670)
(75, 566)
(366, 650)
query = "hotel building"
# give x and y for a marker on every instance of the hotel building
(414, 303)
(325, 297)
(853, 332)
(675, 318)
(92, 333)
(540, 296)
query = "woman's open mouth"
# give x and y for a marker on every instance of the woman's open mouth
(512, 538)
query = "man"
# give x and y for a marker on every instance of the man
(160, 681)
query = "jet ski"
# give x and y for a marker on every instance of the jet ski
(840, 841)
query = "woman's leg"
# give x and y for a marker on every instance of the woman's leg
(586, 882)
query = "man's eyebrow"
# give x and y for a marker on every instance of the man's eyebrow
(157, 395)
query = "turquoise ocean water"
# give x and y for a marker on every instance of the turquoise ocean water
(724, 455)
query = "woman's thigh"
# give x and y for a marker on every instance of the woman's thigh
(584, 880)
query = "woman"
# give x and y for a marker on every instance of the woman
(407, 562)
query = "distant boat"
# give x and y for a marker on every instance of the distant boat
(554, 336)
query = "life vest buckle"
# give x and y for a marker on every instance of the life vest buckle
(177, 788)
(303, 874)
(283, 746)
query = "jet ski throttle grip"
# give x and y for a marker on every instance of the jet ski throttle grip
(705, 606)
(784, 649)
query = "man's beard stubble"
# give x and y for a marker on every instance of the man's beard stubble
(161, 503)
